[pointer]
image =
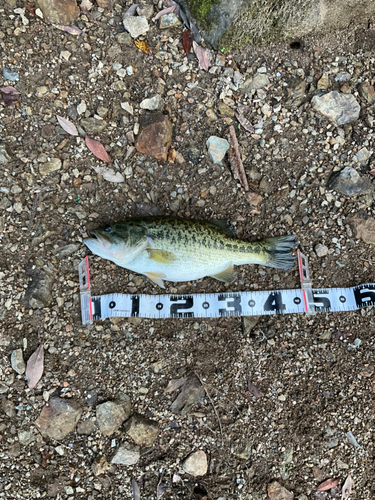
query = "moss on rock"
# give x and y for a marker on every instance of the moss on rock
(201, 11)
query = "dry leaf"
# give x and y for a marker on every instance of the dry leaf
(135, 489)
(131, 11)
(328, 484)
(203, 55)
(253, 389)
(245, 123)
(142, 45)
(347, 488)
(163, 12)
(35, 366)
(109, 174)
(72, 30)
(175, 384)
(10, 95)
(97, 148)
(187, 40)
(162, 488)
(372, 172)
(67, 125)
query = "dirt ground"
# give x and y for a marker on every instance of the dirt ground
(316, 386)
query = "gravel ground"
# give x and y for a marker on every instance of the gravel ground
(313, 382)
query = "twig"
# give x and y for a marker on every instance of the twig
(213, 406)
(235, 159)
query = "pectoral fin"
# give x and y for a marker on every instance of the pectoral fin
(162, 256)
(228, 275)
(156, 278)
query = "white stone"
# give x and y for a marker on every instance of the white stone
(136, 26)
(196, 464)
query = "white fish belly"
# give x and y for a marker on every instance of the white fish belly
(180, 269)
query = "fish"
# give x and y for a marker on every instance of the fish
(166, 248)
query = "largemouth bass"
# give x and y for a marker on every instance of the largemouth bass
(173, 249)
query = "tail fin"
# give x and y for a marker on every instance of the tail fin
(279, 251)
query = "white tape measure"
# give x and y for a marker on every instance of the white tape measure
(211, 305)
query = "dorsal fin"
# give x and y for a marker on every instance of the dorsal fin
(224, 225)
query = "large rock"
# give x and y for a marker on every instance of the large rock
(142, 430)
(349, 182)
(155, 135)
(339, 108)
(110, 415)
(238, 23)
(59, 417)
(39, 290)
(59, 11)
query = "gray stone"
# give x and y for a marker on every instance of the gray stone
(17, 362)
(59, 417)
(92, 125)
(169, 21)
(124, 39)
(256, 82)
(86, 427)
(217, 149)
(248, 323)
(363, 156)
(4, 154)
(25, 437)
(349, 182)
(39, 291)
(100, 466)
(50, 166)
(152, 103)
(10, 75)
(66, 250)
(196, 464)
(142, 430)
(126, 454)
(241, 23)
(321, 250)
(136, 26)
(110, 415)
(339, 108)
(146, 11)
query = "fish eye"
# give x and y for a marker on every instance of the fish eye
(107, 228)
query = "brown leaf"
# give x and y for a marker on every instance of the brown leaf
(347, 488)
(203, 55)
(67, 125)
(372, 172)
(142, 45)
(97, 149)
(245, 123)
(135, 489)
(29, 8)
(35, 366)
(175, 384)
(168, 10)
(187, 40)
(328, 484)
(72, 30)
(253, 389)
(10, 95)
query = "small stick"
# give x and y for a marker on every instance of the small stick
(213, 406)
(235, 159)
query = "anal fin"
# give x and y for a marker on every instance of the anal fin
(228, 275)
(156, 278)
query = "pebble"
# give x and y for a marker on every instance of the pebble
(59, 418)
(81, 108)
(364, 229)
(321, 250)
(248, 323)
(17, 362)
(169, 21)
(25, 437)
(92, 125)
(136, 26)
(86, 427)
(349, 182)
(152, 103)
(217, 149)
(50, 166)
(142, 430)
(155, 136)
(124, 39)
(41, 91)
(258, 81)
(224, 109)
(126, 106)
(363, 156)
(66, 250)
(339, 108)
(100, 466)
(4, 154)
(277, 492)
(126, 454)
(10, 75)
(323, 82)
(38, 293)
(367, 91)
(243, 449)
(196, 463)
(111, 415)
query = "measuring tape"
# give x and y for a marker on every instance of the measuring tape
(212, 305)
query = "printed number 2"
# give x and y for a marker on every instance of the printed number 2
(274, 302)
